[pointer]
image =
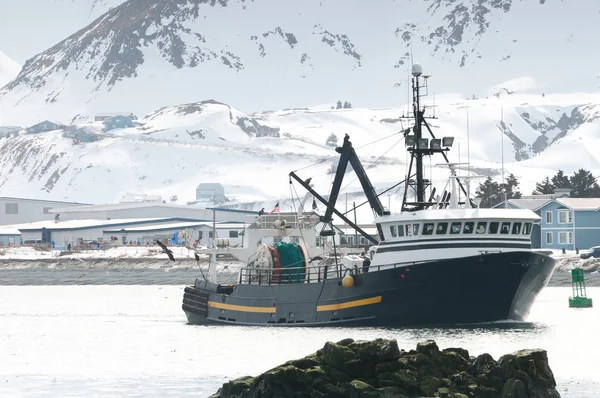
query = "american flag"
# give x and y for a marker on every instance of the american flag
(275, 209)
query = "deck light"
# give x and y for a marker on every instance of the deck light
(447, 141)
(423, 143)
(436, 143)
(410, 140)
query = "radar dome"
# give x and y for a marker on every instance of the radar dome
(417, 70)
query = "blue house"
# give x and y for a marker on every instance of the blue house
(118, 122)
(42, 127)
(569, 223)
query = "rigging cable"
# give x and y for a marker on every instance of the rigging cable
(335, 156)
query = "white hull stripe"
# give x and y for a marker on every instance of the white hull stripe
(456, 239)
(448, 245)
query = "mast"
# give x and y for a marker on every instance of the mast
(418, 152)
(420, 146)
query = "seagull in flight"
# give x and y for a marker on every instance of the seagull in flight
(166, 250)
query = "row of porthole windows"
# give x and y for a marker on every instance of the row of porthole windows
(441, 228)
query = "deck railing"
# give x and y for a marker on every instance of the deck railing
(298, 275)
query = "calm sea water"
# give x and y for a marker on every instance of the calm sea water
(106, 341)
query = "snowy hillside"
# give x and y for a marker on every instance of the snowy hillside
(145, 54)
(174, 149)
(9, 69)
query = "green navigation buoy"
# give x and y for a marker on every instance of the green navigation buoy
(579, 299)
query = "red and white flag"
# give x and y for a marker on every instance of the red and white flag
(276, 209)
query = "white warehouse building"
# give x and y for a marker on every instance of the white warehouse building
(186, 231)
(22, 210)
(149, 210)
(74, 231)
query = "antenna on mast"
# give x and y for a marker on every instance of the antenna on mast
(468, 155)
(502, 144)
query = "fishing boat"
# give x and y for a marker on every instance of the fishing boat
(440, 261)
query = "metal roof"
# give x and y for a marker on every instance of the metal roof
(580, 203)
(91, 223)
(41, 200)
(159, 227)
(9, 231)
(531, 204)
(120, 206)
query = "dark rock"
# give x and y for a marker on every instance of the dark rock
(429, 385)
(460, 351)
(345, 342)
(304, 363)
(237, 386)
(393, 392)
(535, 364)
(333, 391)
(513, 388)
(379, 350)
(371, 369)
(462, 379)
(428, 348)
(360, 368)
(336, 355)
(389, 366)
(450, 363)
(482, 364)
(481, 392)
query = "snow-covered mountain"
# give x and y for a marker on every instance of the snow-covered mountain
(174, 149)
(520, 72)
(270, 54)
(9, 69)
(28, 27)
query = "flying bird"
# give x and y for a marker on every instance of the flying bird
(165, 250)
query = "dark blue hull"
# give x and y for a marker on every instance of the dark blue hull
(483, 288)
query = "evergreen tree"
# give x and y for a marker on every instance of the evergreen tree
(490, 193)
(338, 105)
(332, 140)
(560, 180)
(543, 188)
(511, 187)
(584, 185)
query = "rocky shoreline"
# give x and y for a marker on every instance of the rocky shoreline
(378, 368)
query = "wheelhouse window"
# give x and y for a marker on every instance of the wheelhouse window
(393, 231)
(416, 229)
(233, 234)
(468, 228)
(400, 230)
(565, 217)
(549, 238)
(455, 228)
(494, 227)
(565, 238)
(441, 229)
(409, 230)
(516, 229)
(527, 228)
(481, 227)
(428, 228)
(505, 229)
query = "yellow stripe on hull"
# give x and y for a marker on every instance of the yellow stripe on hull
(349, 304)
(242, 308)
